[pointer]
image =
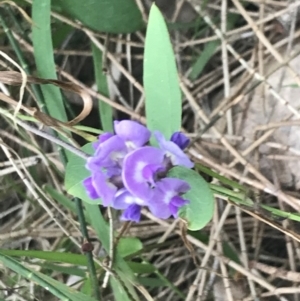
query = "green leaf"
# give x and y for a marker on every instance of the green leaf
(64, 257)
(105, 110)
(222, 179)
(58, 289)
(63, 200)
(141, 268)
(203, 59)
(43, 54)
(120, 293)
(76, 173)
(163, 96)
(73, 270)
(60, 32)
(210, 49)
(201, 207)
(99, 224)
(111, 16)
(128, 246)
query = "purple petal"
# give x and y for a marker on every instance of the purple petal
(104, 188)
(90, 189)
(132, 132)
(180, 139)
(165, 197)
(102, 138)
(149, 172)
(108, 153)
(176, 203)
(177, 156)
(174, 210)
(177, 186)
(124, 199)
(133, 173)
(132, 213)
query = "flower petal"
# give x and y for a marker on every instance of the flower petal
(176, 203)
(109, 153)
(124, 199)
(180, 139)
(132, 132)
(105, 189)
(166, 190)
(102, 138)
(132, 213)
(134, 165)
(90, 189)
(178, 157)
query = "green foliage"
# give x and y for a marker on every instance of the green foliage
(163, 96)
(210, 49)
(207, 53)
(129, 245)
(43, 54)
(200, 209)
(58, 289)
(105, 110)
(112, 16)
(76, 173)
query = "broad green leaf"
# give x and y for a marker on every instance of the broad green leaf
(105, 110)
(201, 207)
(76, 173)
(43, 54)
(112, 16)
(58, 289)
(129, 245)
(162, 92)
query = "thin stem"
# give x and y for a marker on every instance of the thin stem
(48, 136)
(111, 246)
(88, 253)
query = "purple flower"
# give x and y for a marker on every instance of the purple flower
(166, 199)
(173, 151)
(140, 168)
(128, 175)
(180, 139)
(106, 163)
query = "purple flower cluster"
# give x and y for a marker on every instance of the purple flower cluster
(128, 174)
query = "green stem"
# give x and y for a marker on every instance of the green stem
(89, 254)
